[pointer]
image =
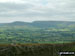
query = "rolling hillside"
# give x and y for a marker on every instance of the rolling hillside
(44, 24)
(37, 32)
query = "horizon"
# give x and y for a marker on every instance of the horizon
(37, 21)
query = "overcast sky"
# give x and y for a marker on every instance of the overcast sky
(32, 10)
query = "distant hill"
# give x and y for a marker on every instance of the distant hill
(52, 23)
(41, 24)
(16, 23)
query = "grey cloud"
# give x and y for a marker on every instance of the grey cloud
(54, 10)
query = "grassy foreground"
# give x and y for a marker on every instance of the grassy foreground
(35, 49)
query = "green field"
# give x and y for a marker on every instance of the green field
(21, 35)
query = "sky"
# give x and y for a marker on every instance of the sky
(37, 10)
